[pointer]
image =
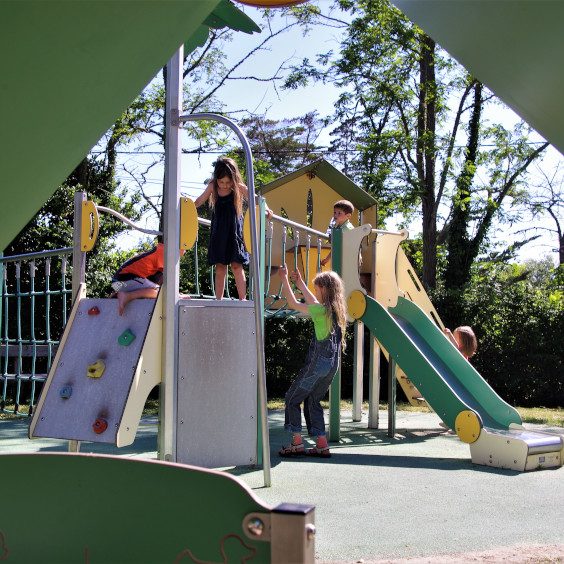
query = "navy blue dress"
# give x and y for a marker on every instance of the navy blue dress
(226, 238)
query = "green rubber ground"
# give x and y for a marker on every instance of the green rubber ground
(417, 495)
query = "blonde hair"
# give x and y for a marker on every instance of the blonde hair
(468, 344)
(333, 299)
(224, 166)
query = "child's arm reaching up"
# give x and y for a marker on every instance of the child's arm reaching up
(302, 286)
(288, 294)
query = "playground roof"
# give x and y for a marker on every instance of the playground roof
(331, 176)
(515, 48)
(69, 70)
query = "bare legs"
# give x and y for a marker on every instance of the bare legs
(238, 274)
(125, 297)
(220, 275)
(240, 281)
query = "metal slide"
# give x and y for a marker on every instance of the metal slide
(457, 392)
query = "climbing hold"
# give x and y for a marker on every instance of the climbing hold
(99, 426)
(96, 369)
(126, 338)
(65, 392)
(94, 311)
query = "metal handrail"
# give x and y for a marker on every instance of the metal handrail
(36, 255)
(128, 221)
(300, 227)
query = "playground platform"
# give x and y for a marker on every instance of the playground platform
(416, 496)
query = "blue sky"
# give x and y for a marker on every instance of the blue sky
(275, 103)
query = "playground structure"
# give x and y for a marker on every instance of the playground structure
(411, 336)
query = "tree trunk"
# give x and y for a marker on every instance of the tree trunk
(461, 251)
(426, 155)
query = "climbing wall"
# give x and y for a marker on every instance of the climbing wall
(217, 384)
(94, 372)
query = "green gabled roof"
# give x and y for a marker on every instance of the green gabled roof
(333, 178)
(224, 15)
(69, 69)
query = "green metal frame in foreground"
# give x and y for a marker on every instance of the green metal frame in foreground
(110, 509)
(69, 70)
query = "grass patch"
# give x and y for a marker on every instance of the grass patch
(553, 416)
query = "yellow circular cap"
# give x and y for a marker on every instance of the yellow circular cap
(468, 426)
(356, 304)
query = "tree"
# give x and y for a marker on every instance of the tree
(548, 200)
(412, 131)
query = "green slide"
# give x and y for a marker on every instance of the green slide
(447, 381)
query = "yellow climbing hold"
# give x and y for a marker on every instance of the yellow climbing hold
(96, 369)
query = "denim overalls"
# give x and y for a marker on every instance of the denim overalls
(312, 384)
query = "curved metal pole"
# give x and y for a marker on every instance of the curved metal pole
(256, 279)
(128, 221)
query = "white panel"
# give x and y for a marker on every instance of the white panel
(217, 384)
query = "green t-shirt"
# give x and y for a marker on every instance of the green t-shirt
(346, 226)
(321, 324)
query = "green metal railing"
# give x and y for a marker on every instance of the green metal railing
(33, 313)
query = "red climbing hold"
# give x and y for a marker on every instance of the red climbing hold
(99, 426)
(94, 311)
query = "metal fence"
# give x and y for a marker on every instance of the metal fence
(33, 313)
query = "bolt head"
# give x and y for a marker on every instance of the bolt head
(255, 527)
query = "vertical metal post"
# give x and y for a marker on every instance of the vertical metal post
(171, 239)
(335, 389)
(374, 371)
(374, 384)
(255, 269)
(391, 397)
(358, 370)
(78, 268)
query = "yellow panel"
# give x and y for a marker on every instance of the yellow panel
(311, 261)
(292, 197)
(468, 426)
(247, 227)
(188, 224)
(90, 226)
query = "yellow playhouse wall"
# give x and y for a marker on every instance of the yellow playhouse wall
(292, 197)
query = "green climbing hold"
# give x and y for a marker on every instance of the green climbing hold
(126, 338)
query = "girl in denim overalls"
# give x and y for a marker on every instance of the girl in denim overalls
(327, 308)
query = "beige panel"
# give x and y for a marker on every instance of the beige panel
(387, 290)
(413, 289)
(368, 216)
(147, 376)
(504, 450)
(349, 269)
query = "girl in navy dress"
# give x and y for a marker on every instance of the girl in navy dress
(225, 194)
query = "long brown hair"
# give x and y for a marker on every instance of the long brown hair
(467, 339)
(224, 166)
(333, 298)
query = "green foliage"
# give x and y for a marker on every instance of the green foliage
(517, 312)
